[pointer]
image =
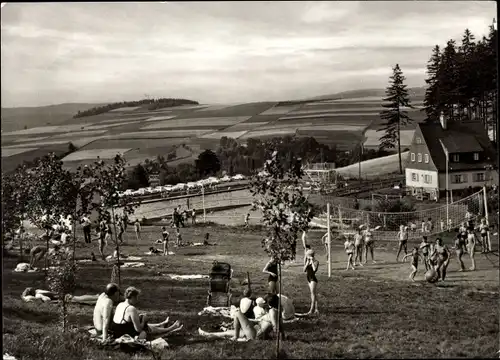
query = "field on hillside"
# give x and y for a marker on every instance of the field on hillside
(374, 311)
(345, 122)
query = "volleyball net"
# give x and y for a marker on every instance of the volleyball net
(387, 224)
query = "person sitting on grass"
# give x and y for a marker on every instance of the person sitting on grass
(103, 310)
(128, 321)
(266, 319)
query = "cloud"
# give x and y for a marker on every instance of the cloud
(220, 52)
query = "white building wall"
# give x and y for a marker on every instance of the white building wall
(491, 177)
(419, 182)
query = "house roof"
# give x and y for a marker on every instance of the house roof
(458, 137)
(456, 142)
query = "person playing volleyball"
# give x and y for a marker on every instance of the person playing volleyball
(403, 241)
(358, 244)
(471, 246)
(459, 247)
(369, 244)
(415, 257)
(441, 254)
(349, 249)
(483, 230)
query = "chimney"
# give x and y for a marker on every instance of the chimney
(443, 121)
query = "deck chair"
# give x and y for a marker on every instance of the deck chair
(219, 294)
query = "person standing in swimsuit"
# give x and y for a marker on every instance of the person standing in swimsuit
(121, 229)
(415, 257)
(403, 241)
(425, 246)
(310, 268)
(459, 249)
(178, 237)
(137, 228)
(369, 244)
(271, 268)
(358, 244)
(483, 229)
(165, 235)
(471, 246)
(349, 249)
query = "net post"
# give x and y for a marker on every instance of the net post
(485, 197)
(329, 240)
(340, 220)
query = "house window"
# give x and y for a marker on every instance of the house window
(426, 157)
(455, 158)
(419, 156)
(419, 140)
(458, 179)
(413, 157)
(414, 177)
(427, 179)
(479, 177)
(476, 156)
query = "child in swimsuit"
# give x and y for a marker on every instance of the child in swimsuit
(459, 249)
(425, 246)
(415, 257)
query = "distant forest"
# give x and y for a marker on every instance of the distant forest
(153, 104)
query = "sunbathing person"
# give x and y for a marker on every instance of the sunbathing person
(32, 294)
(266, 319)
(128, 321)
(103, 310)
(253, 329)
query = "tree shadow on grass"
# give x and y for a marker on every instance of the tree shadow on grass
(195, 253)
(181, 340)
(358, 310)
(28, 314)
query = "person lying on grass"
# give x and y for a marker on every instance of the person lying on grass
(128, 321)
(266, 320)
(32, 294)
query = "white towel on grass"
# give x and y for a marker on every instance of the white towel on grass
(133, 265)
(218, 311)
(157, 344)
(160, 253)
(22, 267)
(84, 261)
(188, 277)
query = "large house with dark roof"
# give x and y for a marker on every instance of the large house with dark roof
(471, 158)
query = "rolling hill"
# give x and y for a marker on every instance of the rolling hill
(140, 133)
(19, 117)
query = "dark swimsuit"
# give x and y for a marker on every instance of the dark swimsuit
(124, 328)
(311, 274)
(274, 269)
(249, 313)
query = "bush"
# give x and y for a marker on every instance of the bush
(62, 280)
(392, 221)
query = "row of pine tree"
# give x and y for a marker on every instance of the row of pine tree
(461, 84)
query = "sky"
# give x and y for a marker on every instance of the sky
(220, 52)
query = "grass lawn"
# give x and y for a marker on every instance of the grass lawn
(374, 311)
